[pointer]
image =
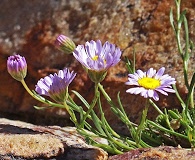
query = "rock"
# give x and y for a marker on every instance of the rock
(20, 140)
(31, 28)
(158, 153)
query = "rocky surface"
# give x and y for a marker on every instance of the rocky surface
(31, 28)
(20, 140)
(158, 153)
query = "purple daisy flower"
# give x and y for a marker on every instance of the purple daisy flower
(17, 67)
(150, 82)
(97, 59)
(55, 86)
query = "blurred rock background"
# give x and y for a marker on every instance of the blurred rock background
(30, 28)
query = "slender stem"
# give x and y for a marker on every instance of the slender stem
(178, 95)
(71, 113)
(108, 148)
(29, 91)
(75, 107)
(40, 99)
(181, 119)
(185, 56)
(161, 128)
(141, 126)
(129, 124)
(108, 134)
(192, 98)
(179, 42)
(109, 100)
(178, 29)
(156, 107)
(178, 2)
(185, 68)
(104, 92)
(108, 130)
(50, 103)
(91, 106)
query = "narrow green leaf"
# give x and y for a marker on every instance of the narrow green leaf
(97, 122)
(181, 19)
(42, 108)
(172, 19)
(82, 99)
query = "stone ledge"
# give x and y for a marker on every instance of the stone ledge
(20, 140)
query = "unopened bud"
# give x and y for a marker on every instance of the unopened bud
(17, 67)
(65, 44)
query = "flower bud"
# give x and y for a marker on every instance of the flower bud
(175, 124)
(65, 44)
(17, 67)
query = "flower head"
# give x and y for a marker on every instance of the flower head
(97, 58)
(65, 44)
(149, 82)
(55, 86)
(17, 67)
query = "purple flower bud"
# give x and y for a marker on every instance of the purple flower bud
(65, 44)
(17, 67)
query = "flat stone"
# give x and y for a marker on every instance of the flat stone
(158, 153)
(30, 146)
(20, 140)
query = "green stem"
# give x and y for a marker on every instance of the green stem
(178, 29)
(178, 2)
(192, 98)
(182, 121)
(110, 137)
(30, 92)
(71, 113)
(104, 93)
(39, 98)
(185, 56)
(141, 126)
(75, 107)
(156, 107)
(124, 118)
(91, 106)
(161, 128)
(108, 148)
(178, 96)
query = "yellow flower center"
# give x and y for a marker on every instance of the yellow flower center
(95, 58)
(149, 83)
